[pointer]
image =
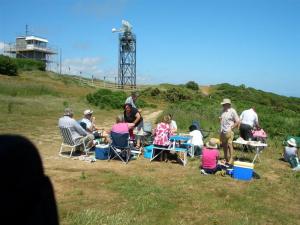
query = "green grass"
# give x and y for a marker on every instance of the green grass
(24, 89)
(192, 199)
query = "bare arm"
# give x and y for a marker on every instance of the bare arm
(130, 125)
(137, 118)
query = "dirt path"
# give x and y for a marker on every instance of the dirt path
(151, 117)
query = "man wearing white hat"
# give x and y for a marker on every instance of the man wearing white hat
(89, 125)
(89, 121)
(229, 120)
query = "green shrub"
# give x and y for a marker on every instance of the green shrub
(30, 64)
(177, 94)
(278, 115)
(107, 99)
(8, 66)
(192, 85)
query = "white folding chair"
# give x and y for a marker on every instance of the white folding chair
(68, 142)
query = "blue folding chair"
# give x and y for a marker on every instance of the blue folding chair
(121, 147)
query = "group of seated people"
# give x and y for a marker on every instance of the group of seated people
(87, 131)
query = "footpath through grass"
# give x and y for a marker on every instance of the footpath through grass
(140, 192)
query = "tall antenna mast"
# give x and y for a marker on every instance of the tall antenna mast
(26, 30)
(127, 56)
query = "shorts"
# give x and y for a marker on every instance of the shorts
(227, 137)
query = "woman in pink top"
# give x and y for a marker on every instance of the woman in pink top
(210, 156)
(121, 127)
(161, 136)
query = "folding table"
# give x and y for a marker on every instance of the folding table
(256, 144)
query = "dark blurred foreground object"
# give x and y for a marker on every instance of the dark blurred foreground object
(26, 194)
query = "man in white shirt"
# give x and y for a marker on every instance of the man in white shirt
(90, 126)
(248, 121)
(89, 120)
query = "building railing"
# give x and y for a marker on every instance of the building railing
(16, 48)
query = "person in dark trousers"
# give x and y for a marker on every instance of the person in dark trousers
(26, 193)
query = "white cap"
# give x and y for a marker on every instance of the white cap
(87, 112)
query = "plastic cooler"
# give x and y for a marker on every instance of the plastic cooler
(148, 151)
(101, 152)
(242, 170)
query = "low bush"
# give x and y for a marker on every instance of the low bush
(8, 66)
(30, 64)
(107, 99)
(11, 66)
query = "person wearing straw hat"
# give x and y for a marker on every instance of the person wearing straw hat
(229, 120)
(210, 156)
(291, 153)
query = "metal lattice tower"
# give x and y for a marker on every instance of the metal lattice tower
(127, 60)
(127, 56)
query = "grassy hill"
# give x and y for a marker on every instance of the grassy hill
(155, 193)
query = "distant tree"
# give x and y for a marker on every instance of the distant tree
(192, 85)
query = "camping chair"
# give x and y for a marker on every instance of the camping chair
(121, 147)
(68, 142)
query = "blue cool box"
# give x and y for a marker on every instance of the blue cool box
(148, 151)
(101, 152)
(242, 170)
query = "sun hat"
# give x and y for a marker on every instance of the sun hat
(87, 112)
(226, 101)
(68, 112)
(292, 142)
(211, 143)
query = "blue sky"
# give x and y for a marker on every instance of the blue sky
(251, 42)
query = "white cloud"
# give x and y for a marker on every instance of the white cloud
(86, 66)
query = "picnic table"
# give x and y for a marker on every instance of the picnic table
(175, 142)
